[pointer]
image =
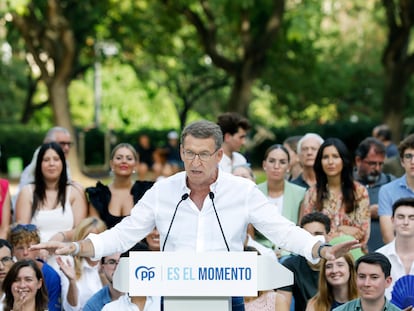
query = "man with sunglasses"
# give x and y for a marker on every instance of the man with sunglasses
(202, 209)
(402, 187)
(55, 134)
(369, 162)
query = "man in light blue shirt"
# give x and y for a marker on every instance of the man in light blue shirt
(108, 293)
(402, 187)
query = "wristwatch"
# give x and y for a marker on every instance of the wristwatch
(320, 249)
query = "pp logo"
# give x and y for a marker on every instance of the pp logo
(144, 273)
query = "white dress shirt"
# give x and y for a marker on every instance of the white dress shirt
(153, 303)
(397, 267)
(238, 202)
(227, 164)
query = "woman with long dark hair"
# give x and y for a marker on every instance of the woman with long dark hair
(24, 287)
(337, 194)
(53, 203)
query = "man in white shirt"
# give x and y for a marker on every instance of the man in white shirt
(183, 208)
(400, 251)
(234, 128)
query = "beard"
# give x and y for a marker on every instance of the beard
(373, 177)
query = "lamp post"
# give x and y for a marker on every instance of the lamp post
(101, 49)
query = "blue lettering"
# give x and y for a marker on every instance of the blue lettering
(188, 273)
(224, 273)
(173, 273)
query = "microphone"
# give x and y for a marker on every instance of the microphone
(183, 198)
(211, 195)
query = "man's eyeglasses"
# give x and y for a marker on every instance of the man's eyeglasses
(373, 163)
(111, 262)
(6, 260)
(408, 156)
(65, 143)
(23, 227)
(203, 156)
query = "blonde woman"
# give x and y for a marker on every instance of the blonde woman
(337, 284)
(113, 202)
(80, 276)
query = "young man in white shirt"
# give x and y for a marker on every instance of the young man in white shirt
(234, 128)
(400, 251)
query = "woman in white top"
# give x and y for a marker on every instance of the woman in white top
(80, 277)
(53, 203)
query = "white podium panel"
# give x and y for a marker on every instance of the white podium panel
(197, 303)
(195, 274)
(207, 280)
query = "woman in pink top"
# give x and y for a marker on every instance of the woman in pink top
(5, 208)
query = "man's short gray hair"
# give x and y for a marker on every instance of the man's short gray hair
(307, 136)
(203, 129)
(51, 134)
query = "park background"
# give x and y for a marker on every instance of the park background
(110, 69)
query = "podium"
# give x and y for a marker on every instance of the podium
(198, 281)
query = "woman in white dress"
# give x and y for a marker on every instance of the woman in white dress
(53, 203)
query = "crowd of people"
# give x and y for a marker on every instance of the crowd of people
(341, 223)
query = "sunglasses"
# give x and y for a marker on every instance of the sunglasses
(24, 227)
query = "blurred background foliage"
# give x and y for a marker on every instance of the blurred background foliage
(158, 65)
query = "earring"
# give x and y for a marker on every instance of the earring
(134, 171)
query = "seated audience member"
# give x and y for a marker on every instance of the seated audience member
(113, 202)
(107, 293)
(295, 168)
(402, 187)
(285, 196)
(245, 171)
(80, 275)
(383, 133)
(172, 152)
(305, 273)
(373, 277)
(53, 203)
(150, 243)
(400, 251)
(24, 236)
(5, 207)
(369, 162)
(134, 303)
(308, 147)
(337, 284)
(24, 287)
(337, 194)
(145, 152)
(56, 134)
(6, 261)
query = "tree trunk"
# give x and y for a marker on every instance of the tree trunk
(241, 93)
(394, 101)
